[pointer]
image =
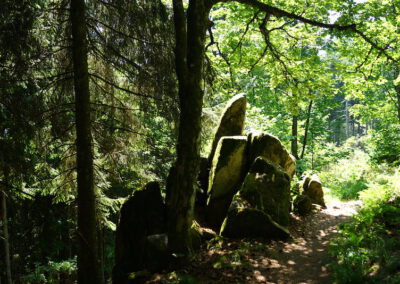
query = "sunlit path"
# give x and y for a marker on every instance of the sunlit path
(301, 259)
(305, 258)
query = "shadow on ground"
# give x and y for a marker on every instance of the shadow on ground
(302, 259)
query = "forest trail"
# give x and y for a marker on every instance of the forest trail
(299, 260)
(304, 259)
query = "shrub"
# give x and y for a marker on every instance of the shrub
(348, 176)
(385, 142)
(52, 272)
(367, 250)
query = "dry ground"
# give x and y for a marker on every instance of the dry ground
(301, 259)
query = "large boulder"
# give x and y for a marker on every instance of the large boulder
(226, 175)
(302, 205)
(251, 223)
(231, 122)
(270, 147)
(290, 166)
(312, 187)
(142, 217)
(267, 188)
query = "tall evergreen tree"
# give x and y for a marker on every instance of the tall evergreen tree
(89, 264)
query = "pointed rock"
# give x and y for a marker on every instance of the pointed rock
(141, 216)
(227, 173)
(231, 122)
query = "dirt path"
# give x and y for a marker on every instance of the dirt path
(302, 259)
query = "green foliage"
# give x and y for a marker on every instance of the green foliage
(347, 171)
(52, 272)
(326, 154)
(367, 249)
(135, 111)
(385, 144)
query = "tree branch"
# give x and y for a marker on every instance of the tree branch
(121, 88)
(279, 13)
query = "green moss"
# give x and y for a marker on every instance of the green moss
(228, 165)
(271, 148)
(267, 188)
(231, 122)
(226, 175)
(249, 222)
(302, 205)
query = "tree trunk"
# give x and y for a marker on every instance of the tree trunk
(306, 129)
(398, 101)
(189, 57)
(293, 144)
(312, 151)
(347, 119)
(89, 266)
(397, 89)
(5, 230)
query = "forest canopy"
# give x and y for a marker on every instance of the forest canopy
(98, 98)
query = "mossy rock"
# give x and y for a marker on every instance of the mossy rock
(226, 175)
(302, 205)
(157, 254)
(267, 188)
(252, 223)
(312, 187)
(271, 148)
(231, 122)
(142, 215)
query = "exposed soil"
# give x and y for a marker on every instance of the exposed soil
(301, 259)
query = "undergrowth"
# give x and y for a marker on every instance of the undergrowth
(348, 176)
(367, 249)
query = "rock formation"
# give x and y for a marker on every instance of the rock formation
(140, 229)
(259, 165)
(267, 188)
(271, 148)
(226, 175)
(231, 122)
(312, 187)
(302, 205)
(253, 223)
(255, 170)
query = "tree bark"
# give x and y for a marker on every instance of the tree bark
(89, 266)
(306, 129)
(397, 89)
(347, 119)
(293, 144)
(5, 230)
(189, 57)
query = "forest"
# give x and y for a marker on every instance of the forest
(199, 141)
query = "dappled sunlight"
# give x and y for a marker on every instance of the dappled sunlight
(304, 258)
(301, 259)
